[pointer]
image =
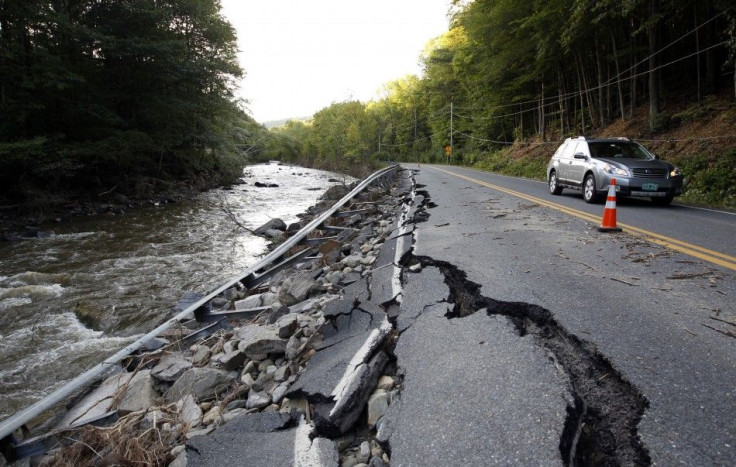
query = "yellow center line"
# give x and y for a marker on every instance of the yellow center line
(711, 256)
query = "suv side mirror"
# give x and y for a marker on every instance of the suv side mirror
(580, 155)
(655, 156)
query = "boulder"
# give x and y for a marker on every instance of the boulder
(377, 406)
(201, 383)
(287, 325)
(297, 289)
(276, 224)
(335, 192)
(258, 400)
(201, 355)
(273, 234)
(139, 393)
(171, 367)
(254, 301)
(259, 340)
(266, 185)
(352, 261)
(232, 360)
(214, 415)
(189, 411)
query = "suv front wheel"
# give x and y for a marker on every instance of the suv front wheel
(589, 193)
(554, 186)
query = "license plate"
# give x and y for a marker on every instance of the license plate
(649, 187)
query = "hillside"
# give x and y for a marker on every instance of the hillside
(700, 139)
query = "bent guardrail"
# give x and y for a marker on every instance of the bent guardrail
(17, 420)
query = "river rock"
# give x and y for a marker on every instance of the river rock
(287, 325)
(377, 406)
(335, 192)
(232, 360)
(258, 400)
(254, 301)
(266, 185)
(294, 227)
(352, 261)
(171, 367)
(214, 415)
(278, 312)
(273, 234)
(202, 383)
(189, 411)
(201, 355)
(282, 373)
(247, 379)
(139, 393)
(297, 289)
(280, 392)
(386, 383)
(364, 453)
(276, 224)
(258, 340)
(353, 220)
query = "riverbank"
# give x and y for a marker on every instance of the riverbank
(250, 368)
(39, 218)
(71, 298)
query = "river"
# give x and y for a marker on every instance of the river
(123, 274)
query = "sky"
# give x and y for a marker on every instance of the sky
(300, 56)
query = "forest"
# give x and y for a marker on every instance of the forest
(137, 96)
(534, 72)
(127, 96)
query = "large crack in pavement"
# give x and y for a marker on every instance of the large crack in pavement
(602, 427)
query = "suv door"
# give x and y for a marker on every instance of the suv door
(563, 168)
(576, 168)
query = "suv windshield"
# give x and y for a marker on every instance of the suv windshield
(618, 150)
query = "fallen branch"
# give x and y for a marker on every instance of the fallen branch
(690, 276)
(624, 282)
(728, 333)
(230, 215)
(722, 320)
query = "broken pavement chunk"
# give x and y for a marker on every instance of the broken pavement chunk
(259, 340)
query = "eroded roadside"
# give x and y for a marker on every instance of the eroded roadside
(383, 356)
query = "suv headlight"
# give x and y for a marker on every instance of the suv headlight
(675, 172)
(610, 169)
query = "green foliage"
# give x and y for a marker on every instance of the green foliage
(98, 94)
(709, 179)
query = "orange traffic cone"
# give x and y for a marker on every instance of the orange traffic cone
(608, 224)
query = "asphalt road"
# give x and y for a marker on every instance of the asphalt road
(658, 320)
(711, 229)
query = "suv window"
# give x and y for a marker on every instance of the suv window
(569, 150)
(616, 149)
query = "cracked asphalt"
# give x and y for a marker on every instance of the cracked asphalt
(641, 307)
(522, 336)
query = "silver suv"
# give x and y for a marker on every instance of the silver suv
(590, 164)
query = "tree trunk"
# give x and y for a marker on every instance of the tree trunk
(697, 50)
(711, 65)
(542, 126)
(560, 92)
(580, 93)
(521, 123)
(601, 100)
(618, 79)
(591, 104)
(653, 74)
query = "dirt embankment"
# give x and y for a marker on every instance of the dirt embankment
(699, 138)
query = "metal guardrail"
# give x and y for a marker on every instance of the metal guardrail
(17, 420)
